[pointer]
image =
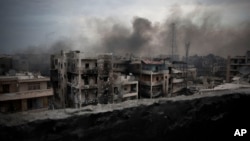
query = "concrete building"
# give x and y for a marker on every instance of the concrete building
(177, 79)
(125, 87)
(81, 78)
(238, 65)
(158, 77)
(24, 92)
(121, 66)
(154, 79)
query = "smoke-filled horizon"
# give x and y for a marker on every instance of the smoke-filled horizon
(203, 27)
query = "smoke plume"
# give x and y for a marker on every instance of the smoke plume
(202, 28)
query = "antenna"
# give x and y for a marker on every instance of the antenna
(173, 41)
(187, 46)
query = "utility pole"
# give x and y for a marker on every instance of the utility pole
(173, 41)
(187, 46)
(151, 91)
(79, 82)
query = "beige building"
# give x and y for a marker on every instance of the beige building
(177, 77)
(125, 87)
(24, 92)
(237, 65)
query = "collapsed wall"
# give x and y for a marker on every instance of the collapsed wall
(202, 118)
(104, 63)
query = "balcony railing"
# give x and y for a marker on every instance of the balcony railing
(153, 83)
(89, 71)
(154, 72)
(175, 80)
(129, 95)
(26, 94)
(92, 86)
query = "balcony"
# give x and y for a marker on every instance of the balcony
(175, 80)
(89, 71)
(92, 86)
(119, 69)
(154, 72)
(26, 94)
(129, 95)
(153, 83)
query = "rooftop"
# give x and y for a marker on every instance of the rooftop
(22, 76)
(152, 62)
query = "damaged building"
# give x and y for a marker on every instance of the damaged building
(125, 87)
(81, 78)
(24, 92)
(154, 78)
(238, 65)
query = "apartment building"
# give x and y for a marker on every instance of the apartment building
(125, 87)
(177, 79)
(154, 78)
(238, 65)
(157, 77)
(81, 78)
(24, 92)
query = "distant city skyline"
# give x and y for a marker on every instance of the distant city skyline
(221, 27)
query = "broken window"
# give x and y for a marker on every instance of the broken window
(35, 103)
(116, 91)
(95, 80)
(34, 86)
(156, 68)
(137, 66)
(105, 79)
(86, 80)
(6, 88)
(133, 88)
(48, 85)
(157, 78)
(87, 65)
(105, 66)
(125, 89)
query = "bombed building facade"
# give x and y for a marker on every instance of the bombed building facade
(80, 78)
(154, 78)
(238, 65)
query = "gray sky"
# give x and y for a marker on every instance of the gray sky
(37, 24)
